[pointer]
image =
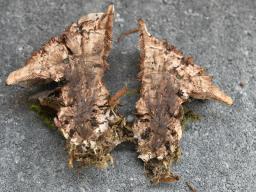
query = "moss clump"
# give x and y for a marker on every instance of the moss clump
(47, 115)
(189, 117)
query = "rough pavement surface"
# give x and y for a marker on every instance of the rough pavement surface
(219, 152)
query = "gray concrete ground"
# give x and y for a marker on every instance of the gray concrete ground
(219, 152)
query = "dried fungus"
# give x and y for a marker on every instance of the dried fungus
(85, 113)
(168, 79)
(78, 58)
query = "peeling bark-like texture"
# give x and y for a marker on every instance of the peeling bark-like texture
(168, 79)
(78, 58)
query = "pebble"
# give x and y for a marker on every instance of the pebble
(130, 118)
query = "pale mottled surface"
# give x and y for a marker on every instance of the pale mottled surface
(219, 152)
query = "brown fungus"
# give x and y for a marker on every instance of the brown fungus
(168, 79)
(84, 116)
(85, 113)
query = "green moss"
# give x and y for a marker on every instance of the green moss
(44, 113)
(132, 92)
(189, 117)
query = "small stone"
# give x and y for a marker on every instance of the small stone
(130, 118)
(20, 48)
(241, 84)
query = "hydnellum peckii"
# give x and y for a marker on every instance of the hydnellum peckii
(168, 79)
(83, 114)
